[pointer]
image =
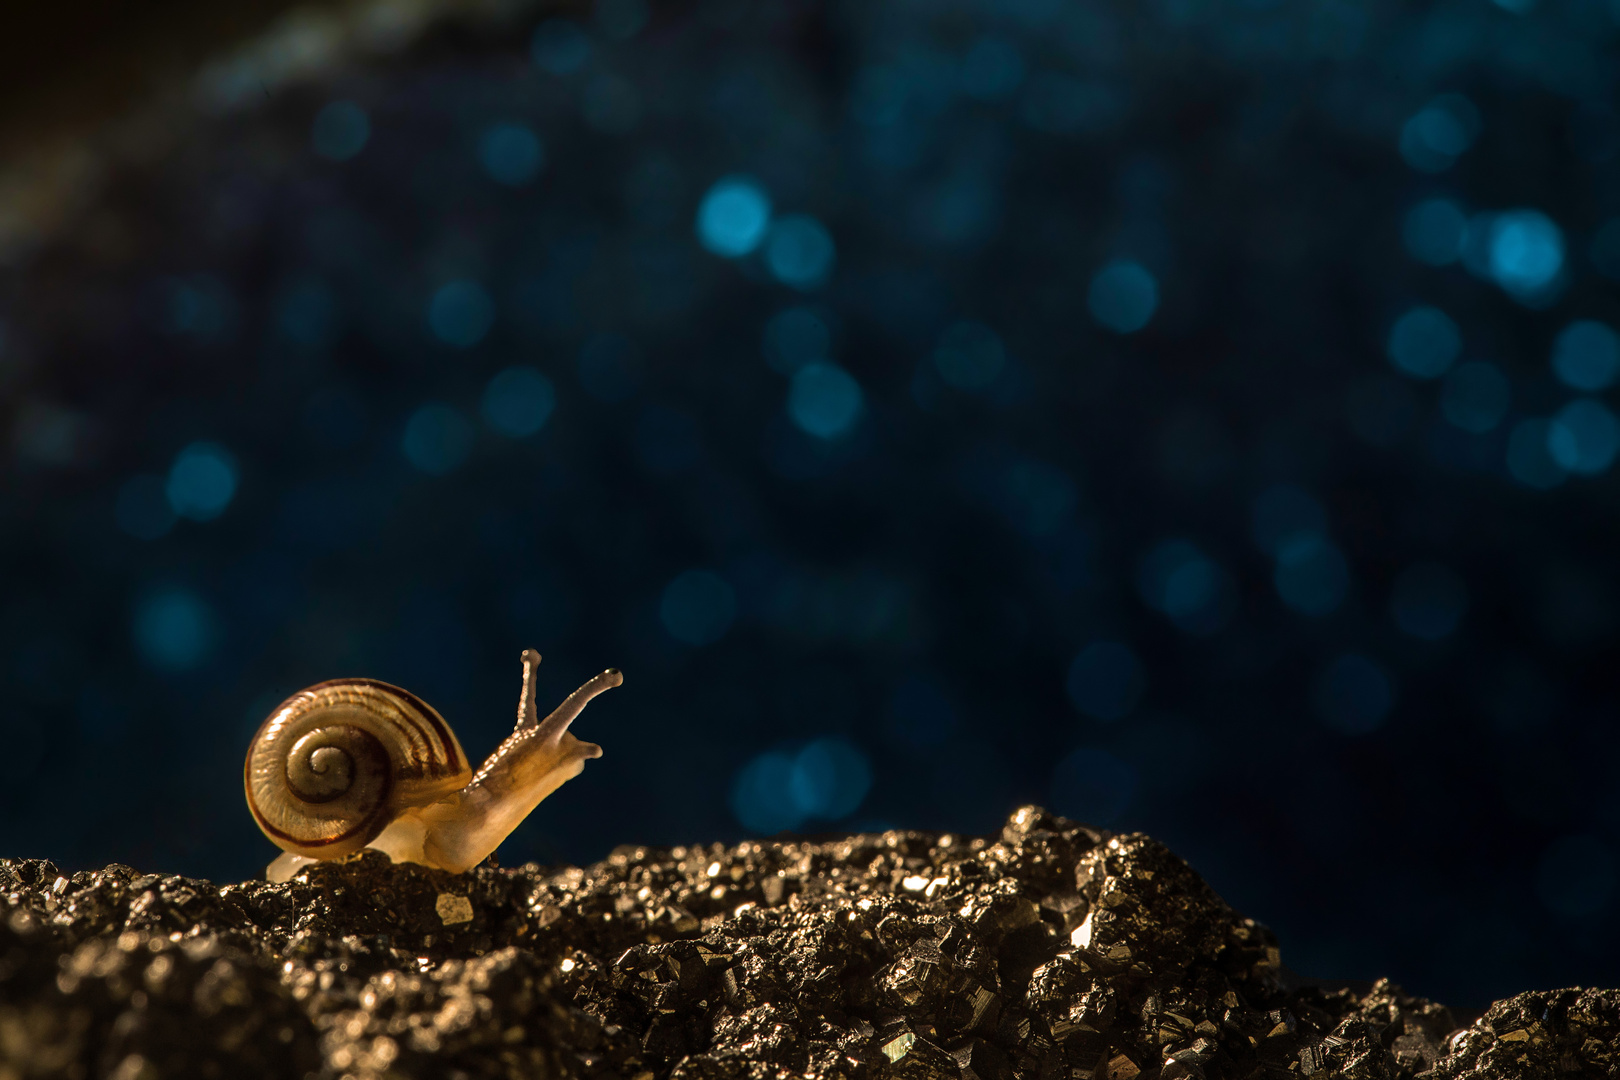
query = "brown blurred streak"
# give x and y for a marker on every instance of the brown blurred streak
(68, 66)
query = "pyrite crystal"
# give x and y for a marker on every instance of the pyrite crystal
(1051, 951)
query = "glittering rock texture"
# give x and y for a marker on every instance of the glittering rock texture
(1054, 950)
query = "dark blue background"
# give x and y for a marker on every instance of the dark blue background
(1178, 422)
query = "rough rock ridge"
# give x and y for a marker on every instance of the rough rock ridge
(1051, 951)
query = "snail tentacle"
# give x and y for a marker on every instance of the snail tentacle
(527, 714)
(555, 726)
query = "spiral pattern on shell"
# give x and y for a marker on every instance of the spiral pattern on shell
(334, 764)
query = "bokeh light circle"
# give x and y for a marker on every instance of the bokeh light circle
(1584, 437)
(518, 401)
(1123, 296)
(437, 439)
(511, 154)
(698, 607)
(799, 251)
(1424, 342)
(202, 481)
(824, 400)
(1586, 355)
(340, 131)
(733, 217)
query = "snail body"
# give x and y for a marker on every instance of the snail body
(356, 763)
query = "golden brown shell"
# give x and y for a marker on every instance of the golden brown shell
(335, 763)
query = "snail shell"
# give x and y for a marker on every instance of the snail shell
(335, 763)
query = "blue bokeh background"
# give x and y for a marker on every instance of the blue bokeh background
(1196, 416)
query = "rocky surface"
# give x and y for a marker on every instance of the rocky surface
(1053, 950)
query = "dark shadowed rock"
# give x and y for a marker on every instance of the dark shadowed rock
(1053, 951)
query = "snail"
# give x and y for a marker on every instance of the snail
(356, 763)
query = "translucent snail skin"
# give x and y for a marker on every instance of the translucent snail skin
(356, 763)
